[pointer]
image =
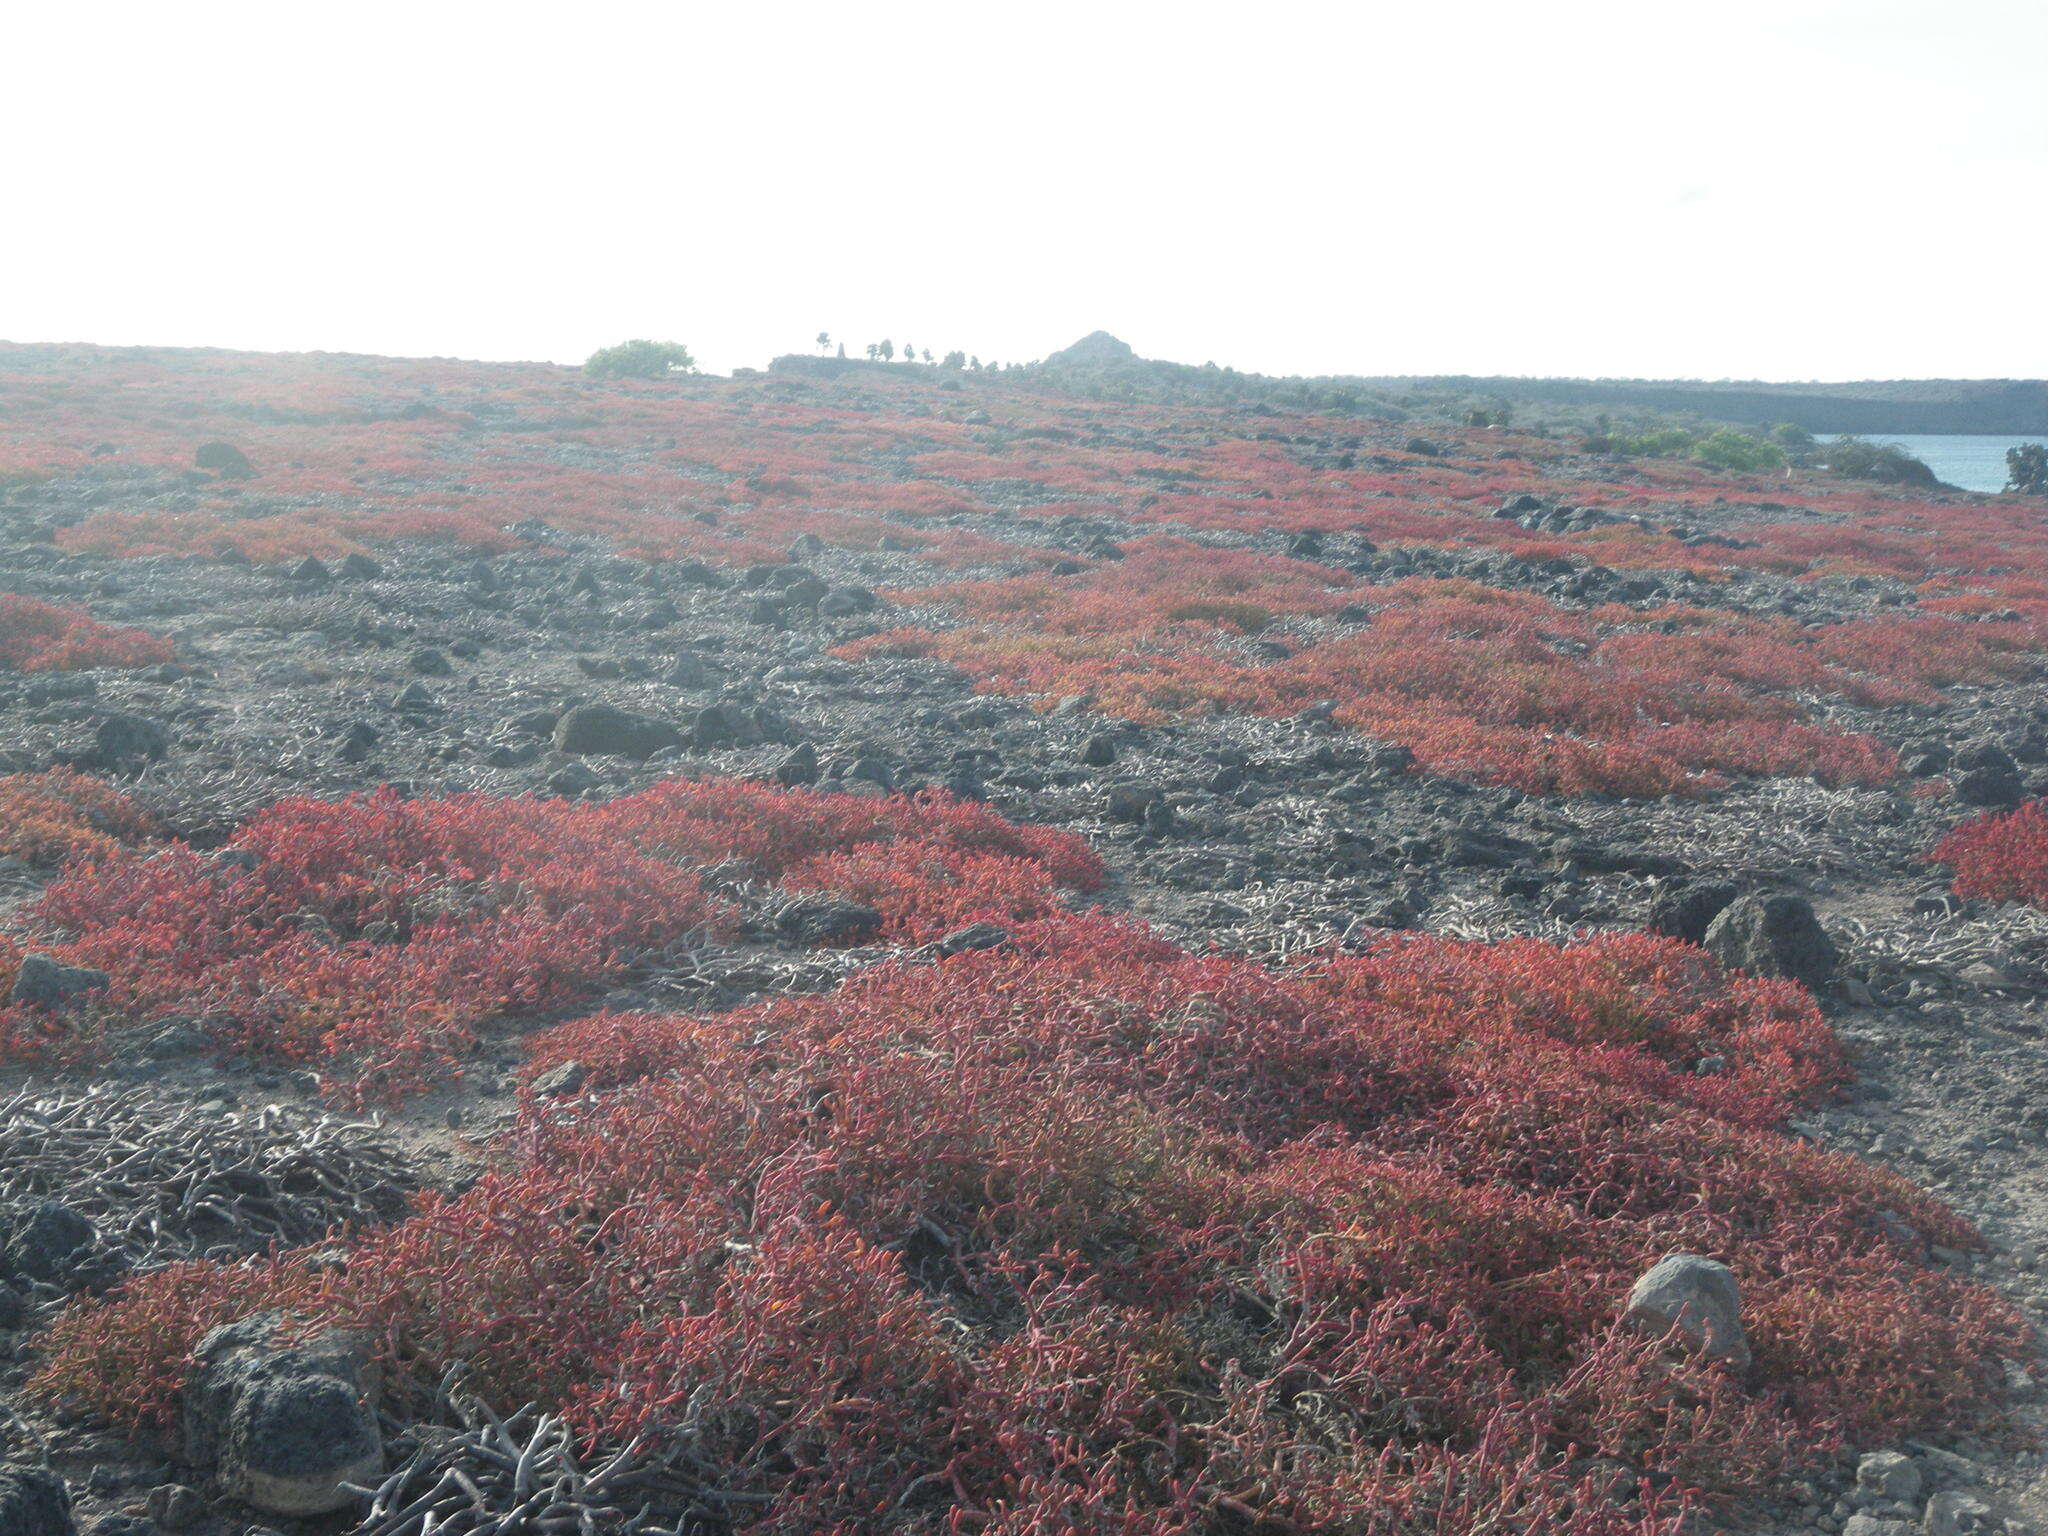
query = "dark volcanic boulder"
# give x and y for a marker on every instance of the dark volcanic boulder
(1988, 776)
(48, 1242)
(286, 1426)
(225, 460)
(1772, 936)
(604, 730)
(46, 983)
(800, 767)
(124, 739)
(35, 1502)
(829, 920)
(1685, 911)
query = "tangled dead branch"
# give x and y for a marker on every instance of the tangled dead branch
(162, 1179)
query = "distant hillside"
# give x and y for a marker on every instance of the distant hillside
(1102, 367)
(2015, 406)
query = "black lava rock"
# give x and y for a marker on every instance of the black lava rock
(828, 920)
(1772, 936)
(35, 1502)
(225, 460)
(1685, 911)
(604, 730)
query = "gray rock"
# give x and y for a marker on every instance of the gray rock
(1131, 802)
(362, 568)
(604, 730)
(1888, 1475)
(1988, 788)
(800, 767)
(828, 920)
(1686, 911)
(974, 936)
(1772, 936)
(1696, 1297)
(560, 1082)
(1953, 1512)
(575, 779)
(312, 568)
(46, 983)
(225, 460)
(429, 662)
(285, 1426)
(49, 1242)
(175, 1507)
(1872, 1525)
(35, 1502)
(844, 602)
(122, 739)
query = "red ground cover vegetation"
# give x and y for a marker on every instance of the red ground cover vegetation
(1089, 1232)
(36, 636)
(364, 450)
(1484, 683)
(372, 936)
(355, 451)
(2002, 857)
(1095, 1234)
(47, 818)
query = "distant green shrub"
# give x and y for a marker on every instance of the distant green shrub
(2026, 469)
(639, 360)
(1664, 443)
(1729, 449)
(1861, 459)
(1791, 435)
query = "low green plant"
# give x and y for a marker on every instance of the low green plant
(1729, 449)
(639, 359)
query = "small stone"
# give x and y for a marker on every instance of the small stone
(829, 920)
(225, 460)
(46, 983)
(174, 1506)
(799, 767)
(604, 730)
(1772, 936)
(973, 937)
(1696, 1298)
(49, 1243)
(1953, 1512)
(34, 1502)
(123, 739)
(1888, 1475)
(560, 1082)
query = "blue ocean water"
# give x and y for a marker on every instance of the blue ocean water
(1974, 463)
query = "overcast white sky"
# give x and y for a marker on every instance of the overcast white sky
(1792, 189)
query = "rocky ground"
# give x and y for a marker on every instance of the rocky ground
(571, 673)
